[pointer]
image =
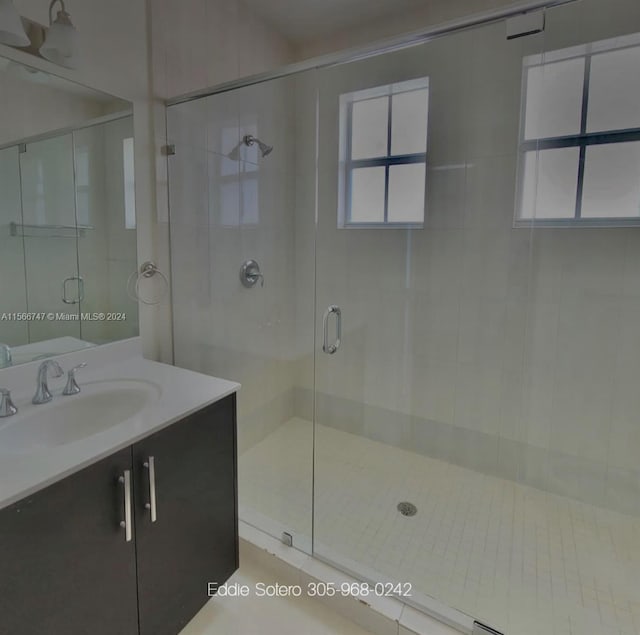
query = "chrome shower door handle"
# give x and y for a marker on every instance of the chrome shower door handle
(80, 285)
(150, 466)
(80, 288)
(126, 524)
(330, 349)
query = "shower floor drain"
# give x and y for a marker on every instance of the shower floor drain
(407, 509)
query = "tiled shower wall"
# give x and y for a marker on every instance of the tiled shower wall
(508, 350)
(229, 205)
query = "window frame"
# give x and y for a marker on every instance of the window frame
(582, 140)
(348, 164)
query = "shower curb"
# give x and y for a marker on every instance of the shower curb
(378, 615)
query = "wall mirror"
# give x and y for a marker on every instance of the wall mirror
(67, 216)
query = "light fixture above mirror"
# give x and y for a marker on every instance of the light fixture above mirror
(60, 44)
(57, 43)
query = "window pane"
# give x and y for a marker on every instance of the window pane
(369, 128)
(367, 195)
(409, 122)
(614, 90)
(250, 211)
(129, 183)
(554, 99)
(230, 204)
(612, 181)
(550, 183)
(406, 193)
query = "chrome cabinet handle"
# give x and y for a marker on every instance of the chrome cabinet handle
(330, 349)
(150, 465)
(125, 479)
(80, 297)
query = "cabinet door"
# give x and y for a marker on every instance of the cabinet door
(193, 540)
(65, 566)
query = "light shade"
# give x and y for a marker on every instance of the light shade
(61, 41)
(12, 31)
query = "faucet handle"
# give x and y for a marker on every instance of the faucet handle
(72, 387)
(5, 355)
(7, 407)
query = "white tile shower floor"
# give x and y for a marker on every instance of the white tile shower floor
(523, 560)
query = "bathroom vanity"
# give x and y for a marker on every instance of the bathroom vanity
(119, 531)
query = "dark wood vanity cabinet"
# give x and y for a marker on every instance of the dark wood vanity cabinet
(66, 566)
(193, 540)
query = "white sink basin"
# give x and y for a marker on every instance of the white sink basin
(101, 405)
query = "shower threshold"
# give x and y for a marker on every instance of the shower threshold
(382, 615)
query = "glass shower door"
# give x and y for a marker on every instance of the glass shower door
(421, 314)
(48, 227)
(12, 282)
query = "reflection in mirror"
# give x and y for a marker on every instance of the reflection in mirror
(67, 216)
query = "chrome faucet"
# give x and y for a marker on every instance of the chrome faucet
(5, 355)
(6, 405)
(42, 391)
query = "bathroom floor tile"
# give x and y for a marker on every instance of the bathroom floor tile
(517, 558)
(267, 616)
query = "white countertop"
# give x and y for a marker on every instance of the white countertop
(182, 392)
(56, 346)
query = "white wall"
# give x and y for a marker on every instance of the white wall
(433, 12)
(201, 43)
(29, 109)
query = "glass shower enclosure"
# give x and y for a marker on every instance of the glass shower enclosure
(438, 356)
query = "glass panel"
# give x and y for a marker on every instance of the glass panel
(550, 184)
(614, 90)
(578, 389)
(48, 199)
(48, 190)
(107, 251)
(409, 122)
(554, 99)
(228, 204)
(367, 195)
(13, 298)
(406, 193)
(370, 126)
(612, 181)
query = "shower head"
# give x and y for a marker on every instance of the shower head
(250, 140)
